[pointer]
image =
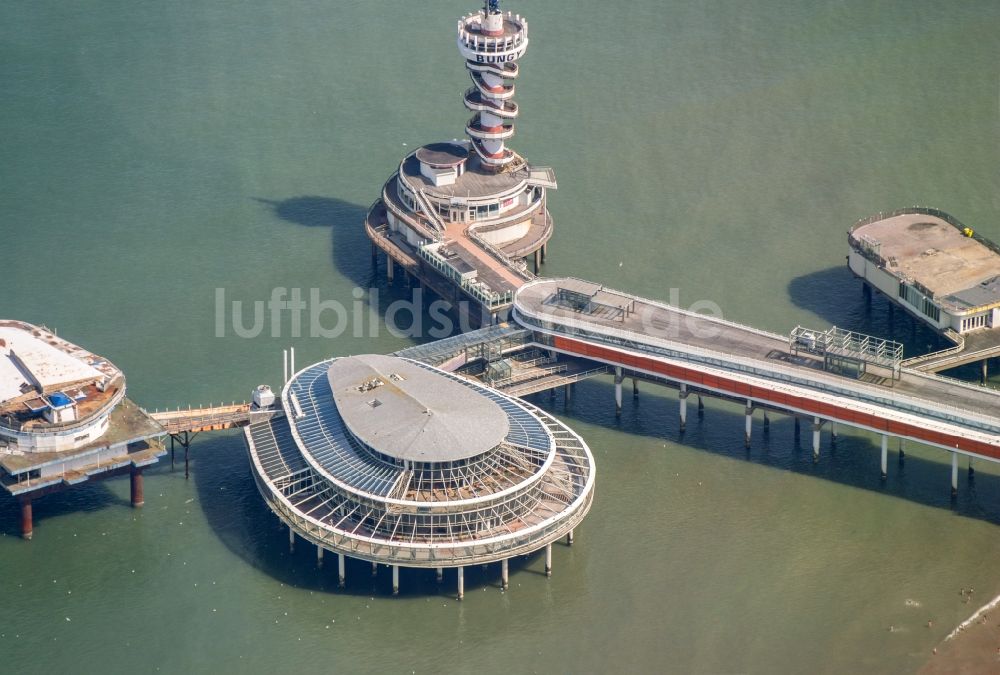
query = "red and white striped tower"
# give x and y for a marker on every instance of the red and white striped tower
(492, 42)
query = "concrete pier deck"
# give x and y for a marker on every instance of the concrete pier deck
(757, 365)
(129, 440)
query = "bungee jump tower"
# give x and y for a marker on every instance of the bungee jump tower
(464, 217)
(491, 45)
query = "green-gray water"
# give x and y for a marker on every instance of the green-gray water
(155, 152)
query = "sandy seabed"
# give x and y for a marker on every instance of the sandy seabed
(973, 647)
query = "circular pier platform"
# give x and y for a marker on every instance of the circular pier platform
(396, 462)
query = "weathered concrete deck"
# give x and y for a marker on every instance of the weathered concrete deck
(131, 442)
(935, 254)
(401, 253)
(126, 424)
(137, 455)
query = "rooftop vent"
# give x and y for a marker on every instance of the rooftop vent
(374, 403)
(368, 385)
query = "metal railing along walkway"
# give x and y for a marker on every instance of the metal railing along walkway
(551, 382)
(929, 402)
(212, 418)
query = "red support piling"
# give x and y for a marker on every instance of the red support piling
(137, 498)
(27, 522)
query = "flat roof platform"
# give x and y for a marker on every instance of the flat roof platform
(35, 361)
(961, 271)
(474, 183)
(411, 413)
(442, 154)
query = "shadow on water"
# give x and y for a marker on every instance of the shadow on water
(835, 296)
(853, 461)
(351, 257)
(90, 496)
(238, 515)
(350, 247)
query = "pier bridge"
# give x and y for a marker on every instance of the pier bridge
(566, 330)
(856, 384)
(183, 425)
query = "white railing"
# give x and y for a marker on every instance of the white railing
(533, 386)
(519, 267)
(574, 454)
(432, 215)
(528, 376)
(388, 198)
(62, 428)
(478, 290)
(731, 362)
(489, 44)
(520, 214)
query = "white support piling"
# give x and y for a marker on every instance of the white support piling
(817, 425)
(291, 539)
(284, 365)
(569, 538)
(319, 556)
(395, 579)
(833, 431)
(341, 576)
(749, 426)
(618, 390)
(548, 560)
(885, 456)
(291, 360)
(374, 569)
(954, 473)
(504, 574)
(440, 574)
(684, 405)
(461, 583)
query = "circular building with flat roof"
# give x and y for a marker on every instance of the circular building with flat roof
(406, 414)
(396, 462)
